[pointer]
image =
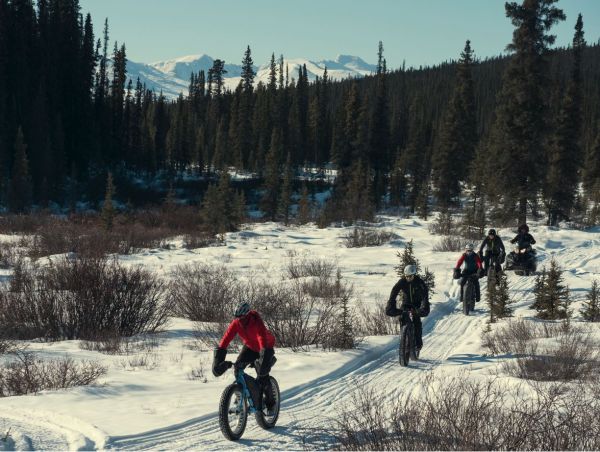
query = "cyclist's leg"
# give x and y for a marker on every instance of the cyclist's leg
(463, 281)
(477, 289)
(486, 262)
(418, 331)
(246, 356)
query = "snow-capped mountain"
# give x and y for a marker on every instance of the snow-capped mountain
(172, 76)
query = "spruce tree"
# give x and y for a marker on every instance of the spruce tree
(304, 214)
(285, 198)
(407, 257)
(591, 305)
(499, 299)
(552, 297)
(270, 196)
(20, 188)
(458, 134)
(520, 127)
(591, 172)
(108, 208)
(565, 150)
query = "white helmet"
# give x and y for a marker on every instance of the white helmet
(469, 247)
(410, 270)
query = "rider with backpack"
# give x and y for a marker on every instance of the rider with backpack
(473, 266)
(494, 252)
(415, 295)
(258, 349)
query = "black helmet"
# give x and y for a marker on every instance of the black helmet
(492, 232)
(242, 310)
(524, 227)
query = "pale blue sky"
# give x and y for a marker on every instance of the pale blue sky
(422, 32)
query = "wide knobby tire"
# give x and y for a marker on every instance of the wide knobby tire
(262, 419)
(468, 297)
(406, 343)
(232, 433)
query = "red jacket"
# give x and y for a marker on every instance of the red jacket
(472, 263)
(254, 333)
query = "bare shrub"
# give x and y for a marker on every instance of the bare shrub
(374, 322)
(450, 243)
(81, 298)
(509, 337)
(203, 293)
(304, 267)
(364, 237)
(545, 351)
(28, 374)
(147, 360)
(444, 224)
(199, 372)
(11, 254)
(465, 414)
(200, 239)
(109, 342)
(573, 357)
(208, 334)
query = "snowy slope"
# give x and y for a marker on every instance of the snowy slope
(161, 408)
(172, 76)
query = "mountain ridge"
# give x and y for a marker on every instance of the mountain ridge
(171, 76)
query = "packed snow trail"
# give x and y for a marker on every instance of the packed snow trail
(39, 430)
(307, 410)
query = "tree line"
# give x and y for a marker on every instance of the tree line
(514, 135)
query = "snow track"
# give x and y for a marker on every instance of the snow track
(40, 430)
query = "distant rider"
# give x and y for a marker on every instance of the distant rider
(472, 267)
(258, 348)
(524, 240)
(494, 251)
(415, 295)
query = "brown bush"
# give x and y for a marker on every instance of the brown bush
(203, 293)
(465, 414)
(81, 298)
(304, 267)
(374, 321)
(299, 313)
(365, 237)
(567, 352)
(28, 374)
(450, 243)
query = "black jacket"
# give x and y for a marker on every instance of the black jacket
(494, 246)
(414, 295)
(524, 240)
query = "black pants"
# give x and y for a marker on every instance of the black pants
(489, 257)
(248, 356)
(463, 281)
(418, 327)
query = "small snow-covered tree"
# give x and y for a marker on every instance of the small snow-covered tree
(552, 298)
(591, 305)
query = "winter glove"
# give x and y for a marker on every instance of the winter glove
(424, 310)
(219, 366)
(502, 257)
(264, 362)
(456, 273)
(480, 273)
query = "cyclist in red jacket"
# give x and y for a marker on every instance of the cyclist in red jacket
(473, 266)
(258, 347)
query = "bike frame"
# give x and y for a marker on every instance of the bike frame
(240, 378)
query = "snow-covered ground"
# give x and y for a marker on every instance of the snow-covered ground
(159, 406)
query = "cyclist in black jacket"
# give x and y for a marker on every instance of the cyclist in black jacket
(494, 249)
(415, 295)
